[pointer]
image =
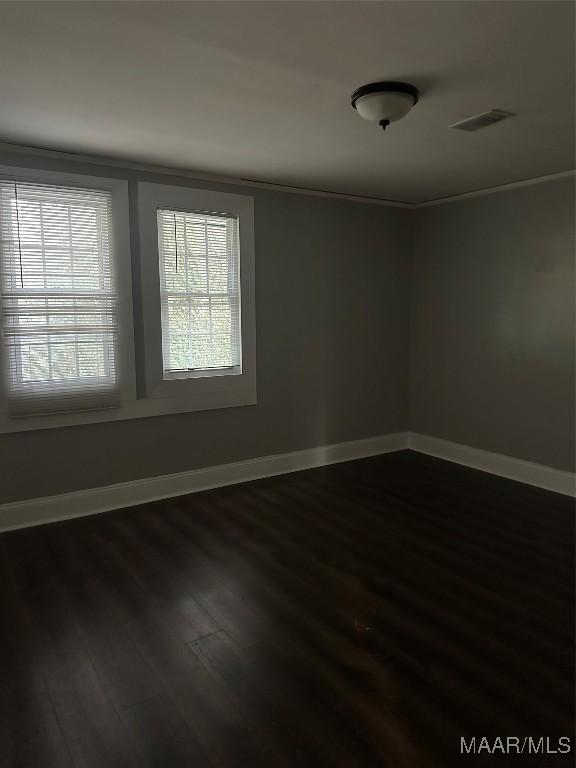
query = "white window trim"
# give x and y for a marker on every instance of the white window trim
(205, 391)
(218, 394)
(121, 233)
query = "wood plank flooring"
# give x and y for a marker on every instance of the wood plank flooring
(360, 615)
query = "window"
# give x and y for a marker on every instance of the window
(199, 294)
(67, 347)
(197, 279)
(59, 316)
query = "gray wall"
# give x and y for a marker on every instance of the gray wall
(332, 348)
(492, 323)
(481, 291)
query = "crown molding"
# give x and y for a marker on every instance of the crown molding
(102, 160)
(327, 193)
(497, 188)
(128, 165)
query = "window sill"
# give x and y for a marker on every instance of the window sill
(135, 409)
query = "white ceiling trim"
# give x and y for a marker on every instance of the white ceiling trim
(498, 188)
(325, 193)
(193, 175)
(198, 176)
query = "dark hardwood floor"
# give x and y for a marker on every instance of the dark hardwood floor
(360, 615)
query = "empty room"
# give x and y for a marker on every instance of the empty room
(287, 383)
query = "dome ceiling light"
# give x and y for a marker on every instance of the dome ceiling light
(384, 102)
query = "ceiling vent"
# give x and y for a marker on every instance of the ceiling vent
(477, 122)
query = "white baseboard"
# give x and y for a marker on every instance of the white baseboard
(496, 463)
(50, 509)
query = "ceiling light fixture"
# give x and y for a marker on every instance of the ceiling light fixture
(384, 102)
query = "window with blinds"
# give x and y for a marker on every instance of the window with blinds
(199, 294)
(58, 300)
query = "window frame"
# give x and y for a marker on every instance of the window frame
(232, 370)
(206, 391)
(197, 394)
(118, 189)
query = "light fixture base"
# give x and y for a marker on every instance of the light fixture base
(384, 102)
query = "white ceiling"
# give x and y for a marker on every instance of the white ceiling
(260, 90)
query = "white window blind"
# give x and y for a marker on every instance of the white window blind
(58, 298)
(199, 293)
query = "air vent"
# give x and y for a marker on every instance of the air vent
(477, 122)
